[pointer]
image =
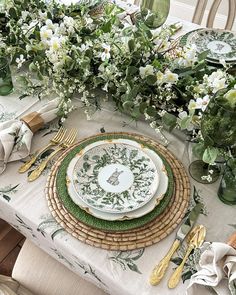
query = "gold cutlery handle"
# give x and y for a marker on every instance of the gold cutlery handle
(38, 171)
(29, 163)
(175, 278)
(160, 269)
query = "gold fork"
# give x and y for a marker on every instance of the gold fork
(65, 144)
(58, 138)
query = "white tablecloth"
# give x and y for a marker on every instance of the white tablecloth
(24, 206)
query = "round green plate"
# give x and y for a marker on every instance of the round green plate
(105, 225)
(183, 39)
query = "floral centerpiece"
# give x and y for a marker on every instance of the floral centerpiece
(79, 48)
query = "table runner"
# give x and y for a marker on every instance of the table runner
(24, 206)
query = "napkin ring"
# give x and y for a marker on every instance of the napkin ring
(34, 121)
(232, 241)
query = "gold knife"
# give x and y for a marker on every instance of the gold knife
(159, 270)
(198, 236)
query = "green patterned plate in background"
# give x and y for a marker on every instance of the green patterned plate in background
(220, 43)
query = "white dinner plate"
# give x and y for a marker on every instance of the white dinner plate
(146, 208)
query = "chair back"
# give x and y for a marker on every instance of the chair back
(201, 7)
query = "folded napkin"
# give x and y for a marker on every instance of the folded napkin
(16, 135)
(217, 270)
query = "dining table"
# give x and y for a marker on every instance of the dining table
(24, 206)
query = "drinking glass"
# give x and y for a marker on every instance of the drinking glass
(218, 127)
(227, 188)
(155, 12)
(6, 85)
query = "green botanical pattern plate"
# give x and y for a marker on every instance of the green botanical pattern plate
(221, 44)
(92, 221)
(146, 208)
(115, 178)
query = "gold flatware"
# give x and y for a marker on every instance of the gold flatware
(57, 139)
(65, 144)
(159, 270)
(197, 237)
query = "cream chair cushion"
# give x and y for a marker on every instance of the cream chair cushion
(8, 286)
(43, 275)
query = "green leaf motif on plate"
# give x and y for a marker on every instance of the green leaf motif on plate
(88, 172)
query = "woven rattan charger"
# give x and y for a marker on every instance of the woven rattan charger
(143, 236)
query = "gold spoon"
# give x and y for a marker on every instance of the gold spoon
(196, 238)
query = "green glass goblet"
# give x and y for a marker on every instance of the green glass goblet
(218, 127)
(154, 12)
(227, 188)
(6, 85)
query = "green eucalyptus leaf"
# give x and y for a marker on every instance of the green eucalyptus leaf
(143, 107)
(107, 27)
(13, 13)
(203, 55)
(185, 122)
(127, 105)
(169, 120)
(151, 79)
(210, 154)
(32, 67)
(151, 111)
(208, 141)
(198, 149)
(136, 112)
(131, 70)
(131, 45)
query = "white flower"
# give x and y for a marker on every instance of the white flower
(49, 24)
(153, 124)
(24, 14)
(162, 113)
(146, 71)
(170, 77)
(201, 103)
(84, 47)
(45, 33)
(188, 56)
(106, 53)
(89, 20)
(42, 15)
(218, 84)
(183, 115)
(217, 80)
(56, 43)
(69, 23)
(20, 61)
(192, 105)
(160, 77)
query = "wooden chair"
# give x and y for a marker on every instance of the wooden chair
(200, 9)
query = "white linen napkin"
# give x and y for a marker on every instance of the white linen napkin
(217, 270)
(16, 135)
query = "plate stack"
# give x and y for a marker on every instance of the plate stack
(118, 191)
(220, 44)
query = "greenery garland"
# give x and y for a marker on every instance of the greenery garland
(79, 48)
